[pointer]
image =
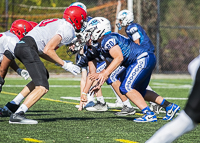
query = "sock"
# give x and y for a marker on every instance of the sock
(174, 129)
(164, 103)
(145, 110)
(127, 103)
(23, 108)
(101, 99)
(90, 97)
(118, 98)
(17, 100)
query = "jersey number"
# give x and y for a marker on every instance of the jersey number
(47, 21)
(110, 44)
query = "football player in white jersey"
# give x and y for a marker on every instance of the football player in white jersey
(8, 42)
(42, 41)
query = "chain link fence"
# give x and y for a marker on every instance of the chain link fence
(172, 25)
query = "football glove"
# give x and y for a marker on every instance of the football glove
(23, 73)
(69, 66)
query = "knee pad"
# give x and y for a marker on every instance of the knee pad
(108, 81)
(122, 89)
(9, 55)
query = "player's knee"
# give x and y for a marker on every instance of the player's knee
(108, 81)
(42, 89)
(122, 90)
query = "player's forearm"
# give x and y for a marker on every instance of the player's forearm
(14, 66)
(88, 84)
(113, 65)
(50, 55)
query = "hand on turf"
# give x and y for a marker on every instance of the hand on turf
(82, 101)
(81, 105)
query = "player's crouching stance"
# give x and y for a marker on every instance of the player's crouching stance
(42, 41)
(139, 62)
(8, 40)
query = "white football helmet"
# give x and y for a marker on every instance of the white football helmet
(126, 17)
(97, 27)
(80, 5)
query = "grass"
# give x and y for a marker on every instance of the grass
(60, 122)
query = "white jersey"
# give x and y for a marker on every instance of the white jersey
(8, 42)
(48, 28)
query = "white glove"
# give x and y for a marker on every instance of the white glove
(69, 66)
(23, 73)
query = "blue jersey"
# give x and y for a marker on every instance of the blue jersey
(92, 53)
(134, 31)
(129, 49)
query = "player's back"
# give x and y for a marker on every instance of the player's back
(134, 31)
(47, 29)
(129, 49)
(8, 41)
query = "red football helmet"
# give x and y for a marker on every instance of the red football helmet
(33, 23)
(20, 28)
(76, 16)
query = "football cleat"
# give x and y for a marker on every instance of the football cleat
(8, 109)
(98, 107)
(149, 116)
(155, 108)
(89, 104)
(5, 112)
(126, 111)
(19, 118)
(171, 111)
(117, 104)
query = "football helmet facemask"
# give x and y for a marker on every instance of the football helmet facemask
(125, 17)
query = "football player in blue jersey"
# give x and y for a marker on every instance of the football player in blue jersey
(78, 45)
(139, 62)
(137, 34)
(82, 61)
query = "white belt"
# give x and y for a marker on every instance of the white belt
(142, 55)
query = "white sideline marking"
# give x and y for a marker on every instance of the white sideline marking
(78, 98)
(107, 86)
